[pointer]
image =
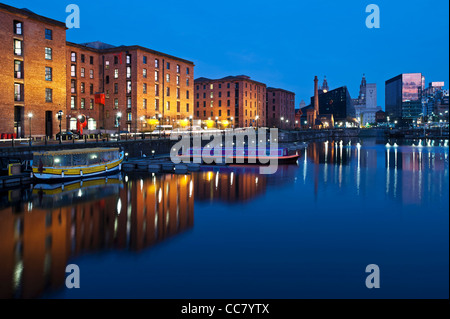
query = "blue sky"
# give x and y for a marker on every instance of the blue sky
(281, 43)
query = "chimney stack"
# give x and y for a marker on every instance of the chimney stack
(316, 94)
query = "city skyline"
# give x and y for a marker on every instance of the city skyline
(304, 43)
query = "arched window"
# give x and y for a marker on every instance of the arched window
(73, 124)
(92, 124)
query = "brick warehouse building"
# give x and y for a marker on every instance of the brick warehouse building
(233, 101)
(280, 108)
(146, 87)
(41, 73)
(32, 72)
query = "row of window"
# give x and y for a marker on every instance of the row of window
(212, 113)
(73, 72)
(73, 103)
(73, 58)
(19, 93)
(18, 30)
(236, 85)
(73, 87)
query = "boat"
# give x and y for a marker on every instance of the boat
(242, 155)
(76, 163)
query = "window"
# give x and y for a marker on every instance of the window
(130, 117)
(92, 124)
(228, 93)
(198, 104)
(91, 74)
(187, 94)
(204, 113)
(204, 95)
(48, 95)
(107, 94)
(107, 65)
(156, 63)
(228, 85)
(187, 70)
(116, 103)
(144, 104)
(128, 58)
(73, 101)
(220, 94)
(187, 107)
(228, 102)
(156, 105)
(168, 91)
(156, 76)
(82, 88)
(116, 59)
(167, 77)
(178, 68)
(211, 86)
(128, 72)
(144, 59)
(187, 82)
(178, 80)
(204, 103)
(82, 72)
(144, 73)
(91, 60)
(18, 92)
(82, 103)
(204, 87)
(228, 112)
(220, 85)
(211, 95)
(48, 73)
(17, 47)
(128, 87)
(198, 113)
(91, 104)
(73, 86)
(107, 79)
(18, 28)
(220, 103)
(116, 73)
(82, 58)
(145, 88)
(73, 57)
(129, 102)
(156, 89)
(48, 34)
(91, 88)
(220, 112)
(178, 106)
(18, 69)
(211, 103)
(198, 87)
(48, 53)
(73, 70)
(168, 66)
(168, 106)
(116, 88)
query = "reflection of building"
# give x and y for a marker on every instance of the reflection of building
(280, 108)
(403, 96)
(36, 243)
(230, 185)
(232, 101)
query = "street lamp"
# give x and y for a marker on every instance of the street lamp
(30, 116)
(232, 123)
(60, 114)
(119, 116)
(159, 121)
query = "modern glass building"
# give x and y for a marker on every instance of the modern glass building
(403, 96)
(337, 102)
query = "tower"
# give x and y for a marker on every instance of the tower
(325, 88)
(316, 95)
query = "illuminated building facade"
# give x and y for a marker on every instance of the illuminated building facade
(280, 108)
(233, 101)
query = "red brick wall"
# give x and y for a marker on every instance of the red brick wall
(280, 103)
(34, 44)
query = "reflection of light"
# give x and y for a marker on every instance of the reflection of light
(80, 193)
(217, 179)
(142, 184)
(191, 187)
(57, 160)
(159, 195)
(119, 206)
(256, 180)
(18, 270)
(126, 178)
(209, 176)
(231, 178)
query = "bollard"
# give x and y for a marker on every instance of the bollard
(85, 139)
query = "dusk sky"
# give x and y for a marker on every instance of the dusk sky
(281, 43)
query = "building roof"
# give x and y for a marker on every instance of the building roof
(31, 15)
(228, 79)
(101, 47)
(278, 89)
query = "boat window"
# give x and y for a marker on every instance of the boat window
(93, 159)
(79, 159)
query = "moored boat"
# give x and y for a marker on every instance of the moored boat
(76, 163)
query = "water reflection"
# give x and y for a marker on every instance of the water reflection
(44, 227)
(38, 237)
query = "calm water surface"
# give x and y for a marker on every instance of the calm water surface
(309, 231)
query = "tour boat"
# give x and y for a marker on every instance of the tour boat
(76, 163)
(243, 155)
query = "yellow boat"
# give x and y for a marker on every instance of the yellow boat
(76, 163)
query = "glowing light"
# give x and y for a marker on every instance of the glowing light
(119, 206)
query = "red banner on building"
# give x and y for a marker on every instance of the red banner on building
(100, 98)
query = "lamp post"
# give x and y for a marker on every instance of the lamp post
(232, 122)
(159, 121)
(190, 124)
(119, 116)
(30, 116)
(142, 125)
(217, 122)
(60, 114)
